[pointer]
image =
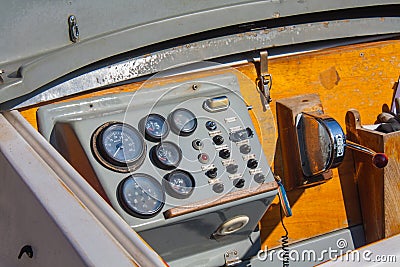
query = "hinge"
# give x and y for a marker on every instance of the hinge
(265, 78)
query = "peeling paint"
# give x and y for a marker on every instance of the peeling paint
(203, 50)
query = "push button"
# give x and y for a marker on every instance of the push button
(232, 168)
(259, 178)
(211, 125)
(203, 158)
(212, 173)
(224, 153)
(218, 187)
(218, 140)
(252, 163)
(245, 149)
(197, 144)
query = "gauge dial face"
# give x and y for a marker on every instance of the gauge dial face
(179, 184)
(183, 122)
(167, 155)
(141, 195)
(118, 146)
(155, 127)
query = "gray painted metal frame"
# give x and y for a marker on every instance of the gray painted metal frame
(41, 193)
(214, 48)
(52, 57)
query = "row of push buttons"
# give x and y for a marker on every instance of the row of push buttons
(225, 154)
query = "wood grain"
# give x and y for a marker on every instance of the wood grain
(286, 111)
(378, 188)
(232, 196)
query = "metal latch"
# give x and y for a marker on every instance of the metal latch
(73, 29)
(265, 78)
(232, 258)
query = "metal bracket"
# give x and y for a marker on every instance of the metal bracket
(73, 29)
(232, 258)
(265, 78)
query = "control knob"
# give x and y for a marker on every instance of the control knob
(224, 153)
(212, 173)
(218, 140)
(252, 163)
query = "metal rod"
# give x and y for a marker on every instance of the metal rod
(360, 148)
(379, 160)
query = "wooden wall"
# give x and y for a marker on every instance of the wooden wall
(357, 76)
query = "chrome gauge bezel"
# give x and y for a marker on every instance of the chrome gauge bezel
(154, 156)
(169, 187)
(148, 134)
(139, 183)
(177, 129)
(100, 153)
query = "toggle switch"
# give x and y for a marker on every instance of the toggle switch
(216, 104)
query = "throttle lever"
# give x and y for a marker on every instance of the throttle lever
(379, 160)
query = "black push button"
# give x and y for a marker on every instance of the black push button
(224, 153)
(212, 173)
(239, 183)
(252, 163)
(211, 125)
(218, 140)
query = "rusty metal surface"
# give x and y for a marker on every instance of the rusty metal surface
(214, 48)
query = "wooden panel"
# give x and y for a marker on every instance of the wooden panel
(232, 196)
(358, 76)
(378, 188)
(286, 111)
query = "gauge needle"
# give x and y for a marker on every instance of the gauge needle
(119, 147)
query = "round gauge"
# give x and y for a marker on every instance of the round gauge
(155, 127)
(118, 146)
(141, 195)
(166, 155)
(183, 122)
(179, 184)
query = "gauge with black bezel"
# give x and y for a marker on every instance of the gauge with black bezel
(179, 184)
(182, 121)
(141, 195)
(118, 146)
(155, 127)
(166, 155)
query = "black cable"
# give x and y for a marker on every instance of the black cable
(285, 242)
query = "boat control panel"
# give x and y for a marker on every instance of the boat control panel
(181, 161)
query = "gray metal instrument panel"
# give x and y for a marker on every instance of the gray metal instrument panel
(219, 110)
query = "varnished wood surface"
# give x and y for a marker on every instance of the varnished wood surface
(288, 165)
(378, 188)
(357, 76)
(232, 196)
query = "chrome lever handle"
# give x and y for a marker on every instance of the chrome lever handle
(379, 160)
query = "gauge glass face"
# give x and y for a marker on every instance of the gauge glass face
(122, 143)
(156, 127)
(180, 184)
(118, 146)
(183, 121)
(168, 154)
(141, 195)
